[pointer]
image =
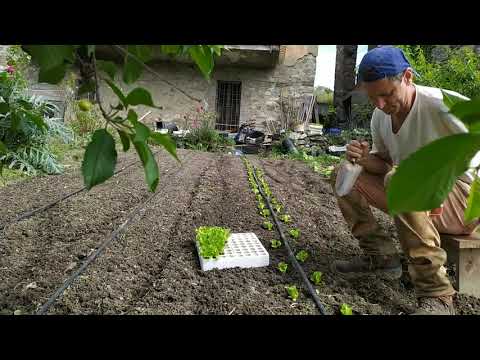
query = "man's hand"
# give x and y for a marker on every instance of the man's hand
(357, 150)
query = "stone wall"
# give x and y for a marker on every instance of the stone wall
(3, 55)
(260, 90)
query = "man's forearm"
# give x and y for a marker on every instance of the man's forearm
(374, 164)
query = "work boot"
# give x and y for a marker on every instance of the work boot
(387, 267)
(442, 305)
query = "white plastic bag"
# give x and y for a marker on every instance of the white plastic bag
(347, 176)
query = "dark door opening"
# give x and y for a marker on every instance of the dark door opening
(228, 105)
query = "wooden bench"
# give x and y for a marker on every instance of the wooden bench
(464, 252)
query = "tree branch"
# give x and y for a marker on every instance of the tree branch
(125, 52)
(97, 89)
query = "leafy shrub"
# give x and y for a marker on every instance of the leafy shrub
(26, 128)
(458, 71)
(203, 136)
(323, 95)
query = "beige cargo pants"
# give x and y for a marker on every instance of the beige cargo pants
(418, 232)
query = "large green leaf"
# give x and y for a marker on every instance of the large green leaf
(51, 59)
(37, 120)
(170, 49)
(451, 99)
(424, 179)
(473, 204)
(117, 92)
(17, 121)
(99, 159)
(52, 75)
(125, 140)
(469, 113)
(132, 67)
(143, 52)
(4, 107)
(203, 59)
(50, 56)
(142, 132)
(109, 67)
(132, 117)
(166, 141)
(149, 164)
(140, 96)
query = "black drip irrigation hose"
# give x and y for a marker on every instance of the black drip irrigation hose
(93, 256)
(297, 266)
(30, 213)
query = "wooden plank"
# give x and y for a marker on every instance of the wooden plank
(462, 241)
(468, 272)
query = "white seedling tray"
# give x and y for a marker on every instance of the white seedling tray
(242, 250)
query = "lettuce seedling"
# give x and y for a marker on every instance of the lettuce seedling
(265, 213)
(278, 208)
(261, 205)
(212, 240)
(302, 256)
(282, 267)
(316, 277)
(346, 310)
(259, 197)
(274, 201)
(275, 244)
(285, 218)
(292, 292)
(294, 233)
(267, 225)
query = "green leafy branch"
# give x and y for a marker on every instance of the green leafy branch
(423, 180)
(100, 156)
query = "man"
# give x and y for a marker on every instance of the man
(407, 117)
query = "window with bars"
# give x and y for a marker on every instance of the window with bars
(228, 105)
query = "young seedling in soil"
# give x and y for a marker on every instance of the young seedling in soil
(265, 213)
(285, 218)
(212, 240)
(294, 233)
(267, 225)
(278, 208)
(282, 267)
(292, 292)
(261, 205)
(259, 197)
(302, 256)
(316, 277)
(275, 244)
(345, 310)
(274, 201)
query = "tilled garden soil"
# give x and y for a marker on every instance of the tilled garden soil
(153, 267)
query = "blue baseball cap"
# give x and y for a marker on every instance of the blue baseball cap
(382, 62)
